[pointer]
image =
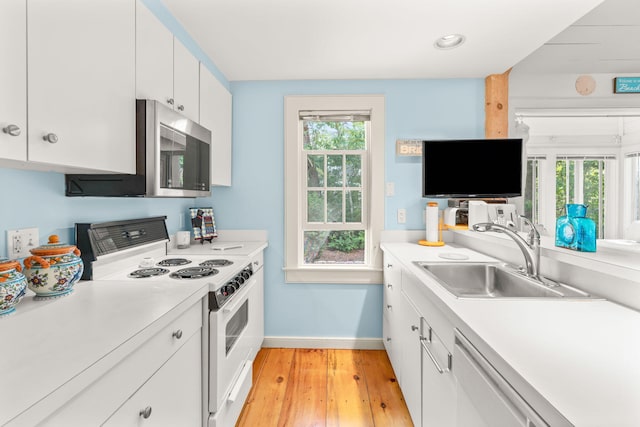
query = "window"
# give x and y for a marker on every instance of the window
(582, 180)
(566, 168)
(334, 177)
(532, 202)
(632, 166)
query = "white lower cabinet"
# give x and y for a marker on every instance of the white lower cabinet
(159, 383)
(171, 397)
(437, 385)
(391, 324)
(409, 339)
(438, 382)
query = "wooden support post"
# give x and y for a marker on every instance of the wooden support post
(496, 105)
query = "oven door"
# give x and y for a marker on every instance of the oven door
(229, 344)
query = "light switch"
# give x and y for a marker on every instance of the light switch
(391, 189)
(402, 216)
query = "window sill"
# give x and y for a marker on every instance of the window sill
(334, 274)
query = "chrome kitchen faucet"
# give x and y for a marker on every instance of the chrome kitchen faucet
(530, 248)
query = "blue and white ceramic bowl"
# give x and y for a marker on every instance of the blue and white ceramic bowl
(53, 269)
(13, 285)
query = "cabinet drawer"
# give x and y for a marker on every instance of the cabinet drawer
(100, 399)
(171, 397)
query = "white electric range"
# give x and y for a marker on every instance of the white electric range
(140, 251)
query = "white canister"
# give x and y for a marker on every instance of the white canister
(432, 217)
(183, 239)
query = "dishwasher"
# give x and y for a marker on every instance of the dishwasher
(485, 398)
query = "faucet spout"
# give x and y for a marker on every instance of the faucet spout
(530, 248)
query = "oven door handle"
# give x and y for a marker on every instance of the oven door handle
(240, 299)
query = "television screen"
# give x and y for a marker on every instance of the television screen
(472, 168)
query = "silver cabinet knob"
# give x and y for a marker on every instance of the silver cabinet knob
(52, 138)
(12, 130)
(177, 334)
(181, 107)
(170, 101)
(389, 265)
(414, 328)
(146, 412)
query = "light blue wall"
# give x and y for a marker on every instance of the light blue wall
(36, 199)
(414, 109)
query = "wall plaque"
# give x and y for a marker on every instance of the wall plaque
(626, 85)
(408, 147)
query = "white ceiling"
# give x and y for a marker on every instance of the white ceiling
(393, 39)
(606, 40)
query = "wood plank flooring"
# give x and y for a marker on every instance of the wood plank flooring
(323, 388)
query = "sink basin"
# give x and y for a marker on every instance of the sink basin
(495, 280)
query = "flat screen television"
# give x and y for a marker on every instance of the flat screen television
(472, 168)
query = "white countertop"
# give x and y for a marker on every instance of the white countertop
(75, 338)
(48, 343)
(582, 356)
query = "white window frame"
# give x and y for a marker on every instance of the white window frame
(295, 211)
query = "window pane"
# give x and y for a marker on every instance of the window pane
(334, 247)
(633, 167)
(353, 206)
(334, 206)
(315, 170)
(354, 170)
(333, 135)
(315, 206)
(594, 192)
(334, 171)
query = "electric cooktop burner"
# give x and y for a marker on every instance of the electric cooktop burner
(216, 263)
(172, 262)
(148, 272)
(193, 273)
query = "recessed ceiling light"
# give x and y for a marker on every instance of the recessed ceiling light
(449, 41)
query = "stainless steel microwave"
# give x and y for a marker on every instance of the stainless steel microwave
(173, 157)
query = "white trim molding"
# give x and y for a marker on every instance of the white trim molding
(370, 271)
(321, 342)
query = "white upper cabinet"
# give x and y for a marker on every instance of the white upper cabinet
(185, 81)
(81, 84)
(13, 80)
(165, 70)
(154, 57)
(215, 115)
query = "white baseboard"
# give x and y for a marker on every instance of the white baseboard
(314, 342)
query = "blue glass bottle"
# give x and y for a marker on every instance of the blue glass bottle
(575, 231)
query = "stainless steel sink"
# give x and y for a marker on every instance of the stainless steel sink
(495, 280)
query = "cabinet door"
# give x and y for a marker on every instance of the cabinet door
(216, 115)
(391, 321)
(171, 397)
(409, 338)
(13, 80)
(154, 57)
(186, 76)
(81, 79)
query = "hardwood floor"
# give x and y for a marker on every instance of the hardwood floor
(323, 388)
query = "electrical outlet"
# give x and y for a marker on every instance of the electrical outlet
(20, 242)
(402, 216)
